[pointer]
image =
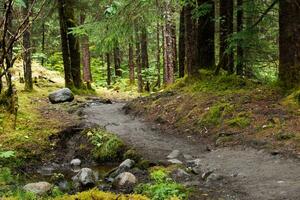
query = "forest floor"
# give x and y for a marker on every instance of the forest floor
(244, 133)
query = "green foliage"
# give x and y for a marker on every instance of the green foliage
(20, 3)
(162, 188)
(107, 146)
(6, 176)
(202, 10)
(96, 194)
(160, 175)
(55, 62)
(241, 120)
(216, 113)
(7, 154)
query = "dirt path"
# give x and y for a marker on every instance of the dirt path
(252, 174)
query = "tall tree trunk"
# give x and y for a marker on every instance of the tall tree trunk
(108, 69)
(206, 36)
(158, 51)
(138, 60)
(86, 57)
(289, 43)
(27, 52)
(131, 62)
(191, 48)
(226, 30)
(240, 50)
(43, 43)
(144, 55)
(168, 44)
(74, 47)
(65, 43)
(117, 60)
(9, 57)
(181, 50)
(174, 41)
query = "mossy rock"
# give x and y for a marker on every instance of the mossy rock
(107, 146)
(96, 194)
(132, 154)
(143, 164)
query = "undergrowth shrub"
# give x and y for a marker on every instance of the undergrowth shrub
(162, 187)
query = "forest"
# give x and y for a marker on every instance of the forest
(150, 99)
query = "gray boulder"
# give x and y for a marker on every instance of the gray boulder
(75, 162)
(85, 177)
(123, 167)
(61, 96)
(38, 188)
(128, 163)
(125, 179)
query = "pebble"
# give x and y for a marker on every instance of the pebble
(174, 154)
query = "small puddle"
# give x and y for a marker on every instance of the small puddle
(56, 169)
(46, 173)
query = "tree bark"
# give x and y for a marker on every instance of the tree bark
(43, 43)
(144, 55)
(158, 51)
(108, 69)
(86, 57)
(240, 50)
(27, 52)
(138, 61)
(206, 36)
(131, 62)
(74, 47)
(226, 30)
(191, 48)
(174, 41)
(181, 50)
(117, 60)
(169, 53)
(289, 43)
(65, 43)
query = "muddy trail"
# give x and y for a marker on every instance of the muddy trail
(230, 173)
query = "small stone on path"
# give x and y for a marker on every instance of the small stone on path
(38, 188)
(174, 154)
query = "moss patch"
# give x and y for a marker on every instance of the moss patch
(242, 120)
(293, 101)
(107, 146)
(216, 114)
(95, 194)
